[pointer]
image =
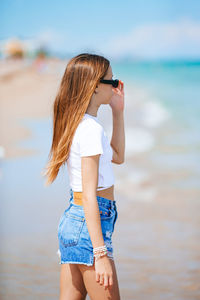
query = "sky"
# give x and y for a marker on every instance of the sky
(148, 29)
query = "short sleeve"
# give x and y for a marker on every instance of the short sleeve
(91, 140)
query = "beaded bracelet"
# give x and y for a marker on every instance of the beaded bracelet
(100, 251)
(97, 256)
(99, 248)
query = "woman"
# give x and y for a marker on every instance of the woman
(85, 228)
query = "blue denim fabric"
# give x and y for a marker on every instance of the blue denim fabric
(75, 245)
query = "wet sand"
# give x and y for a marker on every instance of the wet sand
(156, 238)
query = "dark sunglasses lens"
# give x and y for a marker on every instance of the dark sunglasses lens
(115, 83)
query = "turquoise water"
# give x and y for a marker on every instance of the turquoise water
(175, 84)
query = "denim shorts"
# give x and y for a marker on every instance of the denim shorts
(75, 245)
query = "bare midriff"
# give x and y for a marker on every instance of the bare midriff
(107, 193)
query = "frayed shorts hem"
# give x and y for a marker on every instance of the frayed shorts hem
(79, 262)
(110, 255)
(75, 262)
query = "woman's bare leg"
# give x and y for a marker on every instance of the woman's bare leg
(71, 283)
(94, 289)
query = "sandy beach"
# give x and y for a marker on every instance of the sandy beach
(27, 92)
(156, 238)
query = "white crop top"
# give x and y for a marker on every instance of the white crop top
(90, 139)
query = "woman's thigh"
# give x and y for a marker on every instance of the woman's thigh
(71, 283)
(94, 289)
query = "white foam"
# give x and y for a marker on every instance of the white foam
(140, 194)
(137, 176)
(137, 140)
(145, 109)
(153, 114)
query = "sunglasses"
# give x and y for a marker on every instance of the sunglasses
(115, 83)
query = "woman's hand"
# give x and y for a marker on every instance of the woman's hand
(104, 273)
(117, 99)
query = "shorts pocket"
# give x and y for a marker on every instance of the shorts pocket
(70, 229)
(105, 213)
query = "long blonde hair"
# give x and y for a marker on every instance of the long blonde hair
(82, 74)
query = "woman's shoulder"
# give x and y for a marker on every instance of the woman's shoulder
(89, 125)
(88, 128)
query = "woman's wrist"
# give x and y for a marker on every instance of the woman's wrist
(117, 113)
(100, 251)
